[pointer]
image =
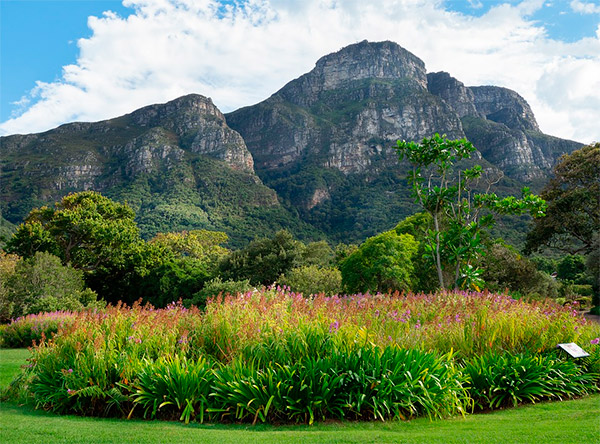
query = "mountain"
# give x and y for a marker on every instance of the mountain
(325, 141)
(316, 157)
(177, 164)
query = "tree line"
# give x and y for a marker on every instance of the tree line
(86, 250)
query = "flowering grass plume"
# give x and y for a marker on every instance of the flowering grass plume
(247, 348)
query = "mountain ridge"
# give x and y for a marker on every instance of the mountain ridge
(316, 157)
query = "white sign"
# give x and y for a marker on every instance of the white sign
(574, 350)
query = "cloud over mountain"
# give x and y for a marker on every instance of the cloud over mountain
(241, 53)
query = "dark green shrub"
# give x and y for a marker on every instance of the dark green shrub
(572, 268)
(504, 268)
(318, 253)
(382, 263)
(174, 280)
(312, 279)
(43, 284)
(216, 287)
(263, 260)
(582, 290)
(425, 274)
(500, 380)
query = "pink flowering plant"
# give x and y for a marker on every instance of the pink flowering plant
(240, 358)
(27, 330)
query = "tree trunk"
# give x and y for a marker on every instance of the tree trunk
(438, 259)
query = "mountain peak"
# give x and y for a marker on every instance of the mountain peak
(191, 104)
(370, 60)
(360, 61)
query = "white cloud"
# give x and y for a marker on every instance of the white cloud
(585, 7)
(241, 55)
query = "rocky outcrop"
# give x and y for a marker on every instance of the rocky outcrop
(501, 124)
(504, 106)
(458, 97)
(323, 145)
(199, 127)
(346, 112)
(182, 152)
(342, 69)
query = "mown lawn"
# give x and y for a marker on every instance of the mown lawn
(575, 421)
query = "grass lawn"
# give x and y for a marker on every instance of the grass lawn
(576, 421)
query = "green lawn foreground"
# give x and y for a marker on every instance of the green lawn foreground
(576, 421)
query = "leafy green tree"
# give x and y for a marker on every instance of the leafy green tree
(86, 230)
(318, 253)
(313, 279)
(173, 280)
(263, 260)
(94, 234)
(8, 263)
(545, 264)
(505, 269)
(182, 264)
(458, 214)
(41, 284)
(572, 222)
(592, 263)
(572, 268)
(342, 251)
(381, 263)
(197, 244)
(425, 273)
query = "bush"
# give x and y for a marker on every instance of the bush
(582, 289)
(43, 284)
(34, 328)
(505, 269)
(572, 268)
(312, 279)
(499, 380)
(174, 280)
(382, 263)
(216, 287)
(263, 260)
(426, 279)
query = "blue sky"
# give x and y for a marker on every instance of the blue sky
(558, 18)
(58, 66)
(39, 37)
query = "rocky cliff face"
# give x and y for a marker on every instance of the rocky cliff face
(323, 144)
(501, 124)
(333, 129)
(346, 110)
(199, 127)
(458, 97)
(342, 69)
(181, 152)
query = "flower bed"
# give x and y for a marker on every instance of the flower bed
(277, 356)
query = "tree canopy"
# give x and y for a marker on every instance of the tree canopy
(84, 229)
(572, 221)
(381, 263)
(458, 213)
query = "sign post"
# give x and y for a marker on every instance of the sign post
(574, 350)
